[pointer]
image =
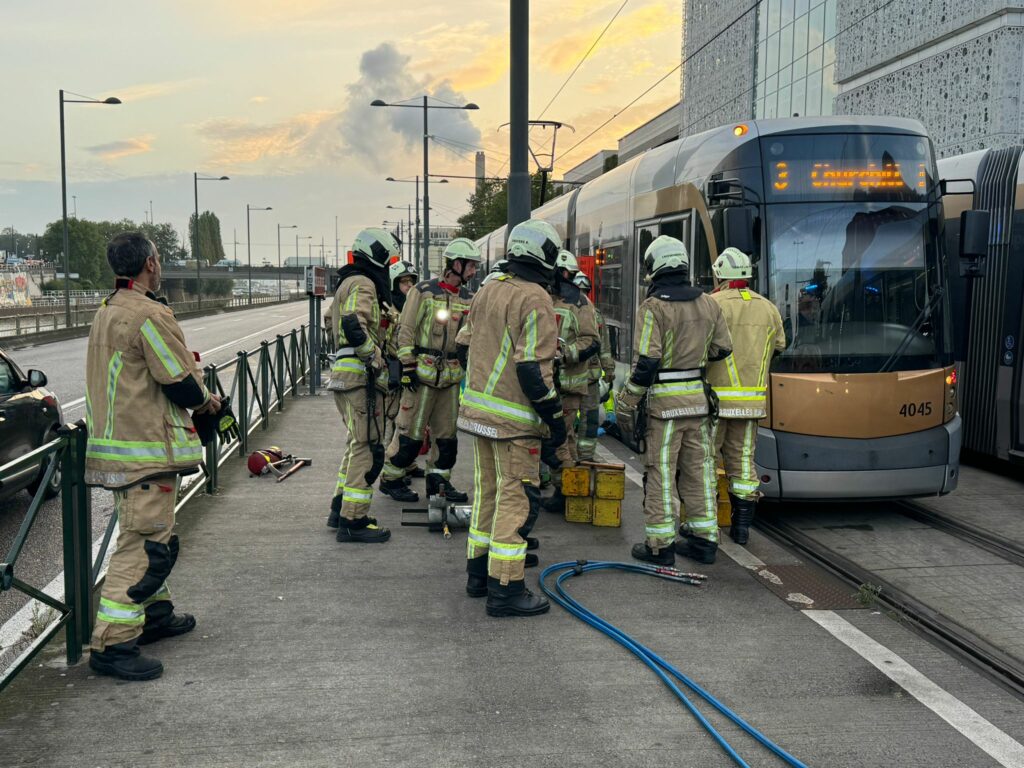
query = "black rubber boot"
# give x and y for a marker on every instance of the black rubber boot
(531, 542)
(178, 624)
(513, 599)
(125, 661)
(415, 470)
(742, 519)
(453, 494)
(362, 530)
(335, 514)
(555, 504)
(398, 491)
(665, 555)
(696, 548)
(476, 579)
(531, 561)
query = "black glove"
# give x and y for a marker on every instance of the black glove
(410, 380)
(549, 454)
(550, 412)
(462, 355)
(590, 351)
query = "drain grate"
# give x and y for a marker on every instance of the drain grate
(803, 586)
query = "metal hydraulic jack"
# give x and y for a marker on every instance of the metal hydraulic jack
(440, 515)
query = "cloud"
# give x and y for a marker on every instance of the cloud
(562, 54)
(259, 99)
(237, 142)
(115, 150)
(384, 74)
(466, 55)
(133, 93)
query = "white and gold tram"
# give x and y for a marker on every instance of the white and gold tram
(843, 216)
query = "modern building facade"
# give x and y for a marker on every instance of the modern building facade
(954, 65)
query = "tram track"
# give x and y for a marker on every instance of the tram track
(944, 632)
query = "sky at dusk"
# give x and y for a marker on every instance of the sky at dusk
(276, 95)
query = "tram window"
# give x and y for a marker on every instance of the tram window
(644, 237)
(609, 297)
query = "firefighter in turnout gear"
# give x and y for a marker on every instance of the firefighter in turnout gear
(141, 381)
(602, 365)
(679, 331)
(432, 317)
(740, 381)
(359, 379)
(513, 411)
(580, 342)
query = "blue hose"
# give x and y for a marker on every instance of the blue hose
(658, 665)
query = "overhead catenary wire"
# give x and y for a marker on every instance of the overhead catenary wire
(659, 666)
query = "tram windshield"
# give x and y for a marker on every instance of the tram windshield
(856, 285)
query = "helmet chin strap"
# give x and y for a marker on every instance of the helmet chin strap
(458, 274)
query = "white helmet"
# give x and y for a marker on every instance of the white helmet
(399, 270)
(462, 248)
(376, 245)
(567, 262)
(666, 253)
(500, 267)
(582, 282)
(534, 241)
(732, 264)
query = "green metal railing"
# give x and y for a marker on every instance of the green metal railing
(258, 382)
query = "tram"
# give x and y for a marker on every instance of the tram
(991, 390)
(843, 218)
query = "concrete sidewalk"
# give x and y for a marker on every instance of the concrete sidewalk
(314, 653)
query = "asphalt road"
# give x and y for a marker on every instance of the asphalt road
(216, 337)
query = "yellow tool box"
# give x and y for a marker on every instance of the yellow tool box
(579, 509)
(576, 481)
(724, 507)
(608, 512)
(594, 492)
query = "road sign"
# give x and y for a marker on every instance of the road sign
(316, 281)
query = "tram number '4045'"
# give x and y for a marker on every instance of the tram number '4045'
(916, 409)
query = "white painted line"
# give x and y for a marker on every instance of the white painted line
(200, 328)
(994, 742)
(985, 736)
(75, 404)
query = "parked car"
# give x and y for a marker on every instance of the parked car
(30, 416)
(227, 263)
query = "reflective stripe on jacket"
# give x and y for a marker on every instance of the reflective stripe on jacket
(577, 329)
(135, 431)
(511, 322)
(355, 296)
(756, 328)
(431, 320)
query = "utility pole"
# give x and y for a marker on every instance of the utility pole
(519, 96)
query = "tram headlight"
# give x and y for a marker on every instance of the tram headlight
(740, 130)
(950, 391)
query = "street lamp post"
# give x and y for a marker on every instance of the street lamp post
(64, 195)
(408, 213)
(196, 178)
(416, 232)
(248, 241)
(426, 166)
(279, 228)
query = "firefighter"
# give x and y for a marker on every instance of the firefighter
(602, 378)
(679, 331)
(740, 382)
(513, 411)
(141, 381)
(433, 314)
(358, 379)
(579, 341)
(500, 267)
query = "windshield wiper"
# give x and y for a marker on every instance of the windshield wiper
(923, 315)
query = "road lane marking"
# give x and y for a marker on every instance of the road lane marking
(983, 734)
(75, 404)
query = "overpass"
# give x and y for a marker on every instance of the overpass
(234, 273)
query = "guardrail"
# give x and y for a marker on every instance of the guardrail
(17, 325)
(258, 382)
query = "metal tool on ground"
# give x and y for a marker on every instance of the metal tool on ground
(439, 516)
(299, 464)
(273, 461)
(665, 671)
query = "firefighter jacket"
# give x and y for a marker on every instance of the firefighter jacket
(579, 337)
(359, 330)
(680, 330)
(512, 323)
(136, 354)
(432, 317)
(740, 381)
(604, 363)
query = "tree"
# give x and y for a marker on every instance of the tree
(211, 247)
(18, 243)
(87, 251)
(488, 206)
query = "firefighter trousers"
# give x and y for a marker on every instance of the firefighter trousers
(426, 407)
(135, 592)
(586, 442)
(505, 484)
(736, 440)
(683, 448)
(568, 452)
(356, 492)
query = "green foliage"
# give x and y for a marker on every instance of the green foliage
(488, 207)
(211, 247)
(87, 251)
(19, 243)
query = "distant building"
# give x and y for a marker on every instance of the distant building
(592, 167)
(655, 132)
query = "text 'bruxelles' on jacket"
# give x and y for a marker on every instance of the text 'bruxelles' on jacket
(511, 322)
(682, 331)
(741, 380)
(431, 320)
(359, 333)
(136, 349)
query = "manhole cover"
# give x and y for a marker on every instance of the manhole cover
(803, 587)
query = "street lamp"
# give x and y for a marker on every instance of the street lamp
(426, 166)
(408, 215)
(64, 194)
(248, 241)
(416, 234)
(279, 228)
(196, 178)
